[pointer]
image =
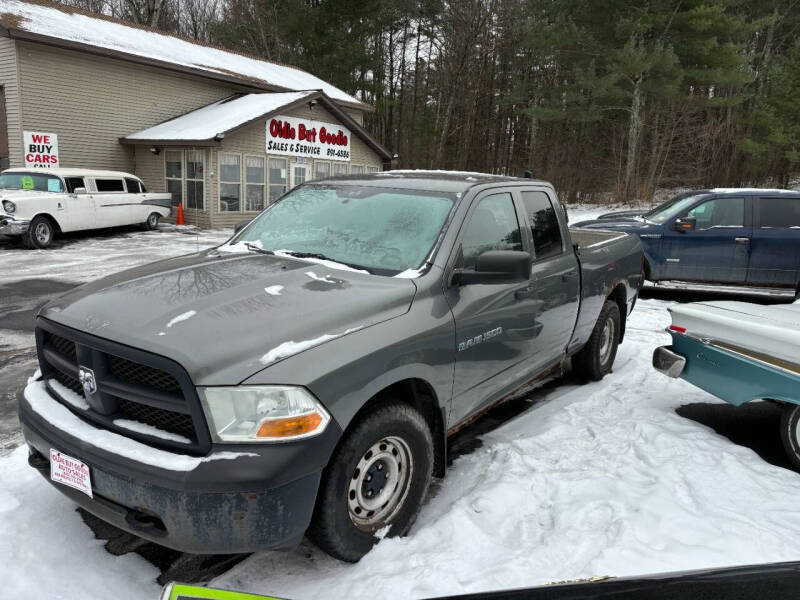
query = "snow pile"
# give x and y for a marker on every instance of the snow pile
(602, 479)
(287, 349)
(76, 400)
(62, 23)
(219, 117)
(181, 317)
(151, 431)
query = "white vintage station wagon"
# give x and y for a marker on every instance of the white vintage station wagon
(39, 203)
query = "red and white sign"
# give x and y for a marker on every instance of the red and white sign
(41, 149)
(290, 136)
(70, 471)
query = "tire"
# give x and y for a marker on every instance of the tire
(596, 358)
(790, 420)
(40, 233)
(152, 222)
(393, 441)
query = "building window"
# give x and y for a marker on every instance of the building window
(195, 175)
(340, 168)
(372, 169)
(356, 169)
(277, 178)
(230, 182)
(173, 160)
(322, 169)
(254, 183)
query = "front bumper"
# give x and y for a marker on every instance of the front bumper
(12, 226)
(261, 499)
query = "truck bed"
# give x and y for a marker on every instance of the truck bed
(590, 238)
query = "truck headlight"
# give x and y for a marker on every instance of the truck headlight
(262, 413)
(9, 206)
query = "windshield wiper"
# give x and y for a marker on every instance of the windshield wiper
(320, 256)
(253, 248)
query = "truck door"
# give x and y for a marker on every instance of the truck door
(716, 249)
(555, 279)
(775, 243)
(494, 323)
(79, 207)
(113, 203)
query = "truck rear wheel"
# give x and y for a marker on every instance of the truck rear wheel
(790, 433)
(378, 477)
(596, 358)
(152, 222)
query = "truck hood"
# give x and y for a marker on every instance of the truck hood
(226, 317)
(17, 195)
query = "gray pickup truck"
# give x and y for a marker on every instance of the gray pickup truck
(303, 378)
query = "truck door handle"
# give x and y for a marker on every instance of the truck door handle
(524, 293)
(741, 240)
(569, 275)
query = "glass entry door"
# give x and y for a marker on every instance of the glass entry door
(299, 174)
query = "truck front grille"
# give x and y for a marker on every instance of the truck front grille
(131, 384)
(132, 372)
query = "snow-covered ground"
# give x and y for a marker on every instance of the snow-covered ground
(600, 479)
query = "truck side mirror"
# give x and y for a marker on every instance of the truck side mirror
(685, 224)
(496, 266)
(241, 225)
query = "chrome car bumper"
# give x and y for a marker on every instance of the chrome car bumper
(668, 362)
(12, 226)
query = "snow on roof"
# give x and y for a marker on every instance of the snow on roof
(217, 118)
(68, 24)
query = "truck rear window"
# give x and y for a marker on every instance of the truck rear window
(780, 212)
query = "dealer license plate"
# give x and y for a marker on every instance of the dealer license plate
(70, 471)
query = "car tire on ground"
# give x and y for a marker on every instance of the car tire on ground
(39, 234)
(152, 222)
(596, 358)
(378, 476)
(790, 430)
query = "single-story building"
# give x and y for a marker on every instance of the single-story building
(224, 132)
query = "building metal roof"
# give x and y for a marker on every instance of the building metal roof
(67, 27)
(207, 126)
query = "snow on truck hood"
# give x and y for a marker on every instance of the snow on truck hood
(225, 317)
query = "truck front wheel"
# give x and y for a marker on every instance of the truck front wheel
(40, 233)
(377, 477)
(595, 359)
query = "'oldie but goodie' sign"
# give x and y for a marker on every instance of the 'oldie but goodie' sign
(70, 471)
(41, 149)
(291, 136)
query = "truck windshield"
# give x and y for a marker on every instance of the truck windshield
(39, 182)
(672, 208)
(382, 230)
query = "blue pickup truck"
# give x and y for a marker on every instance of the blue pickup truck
(732, 238)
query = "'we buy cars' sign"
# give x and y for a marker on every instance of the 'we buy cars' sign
(41, 149)
(291, 136)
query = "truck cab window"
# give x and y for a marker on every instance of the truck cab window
(133, 186)
(545, 229)
(493, 226)
(720, 212)
(780, 212)
(73, 183)
(109, 185)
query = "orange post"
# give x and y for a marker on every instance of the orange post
(179, 219)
